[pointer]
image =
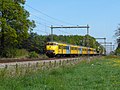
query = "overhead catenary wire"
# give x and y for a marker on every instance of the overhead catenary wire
(42, 24)
(47, 20)
(47, 15)
(42, 31)
(44, 19)
(49, 27)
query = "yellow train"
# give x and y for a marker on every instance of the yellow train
(55, 49)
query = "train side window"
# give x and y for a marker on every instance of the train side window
(47, 44)
(60, 47)
(71, 48)
(64, 47)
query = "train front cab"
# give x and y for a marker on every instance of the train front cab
(51, 49)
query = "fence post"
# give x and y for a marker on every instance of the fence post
(54, 63)
(43, 67)
(6, 66)
(28, 65)
(50, 64)
(16, 68)
(37, 64)
(60, 62)
(5, 70)
(67, 61)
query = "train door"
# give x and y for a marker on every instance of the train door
(68, 49)
(88, 50)
(80, 50)
(60, 49)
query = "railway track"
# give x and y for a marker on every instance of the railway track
(28, 59)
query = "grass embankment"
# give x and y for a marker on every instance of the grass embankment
(101, 74)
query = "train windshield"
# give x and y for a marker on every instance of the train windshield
(51, 44)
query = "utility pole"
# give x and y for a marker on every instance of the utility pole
(104, 43)
(53, 27)
(87, 30)
(51, 33)
(108, 44)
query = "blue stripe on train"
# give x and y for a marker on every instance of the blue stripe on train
(80, 50)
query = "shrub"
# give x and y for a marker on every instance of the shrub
(33, 55)
(13, 52)
(117, 52)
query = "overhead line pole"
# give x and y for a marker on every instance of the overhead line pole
(55, 27)
(109, 44)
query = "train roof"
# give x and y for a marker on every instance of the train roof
(68, 44)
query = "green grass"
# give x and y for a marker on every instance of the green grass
(101, 74)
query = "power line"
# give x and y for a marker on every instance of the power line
(44, 19)
(42, 31)
(42, 24)
(48, 27)
(48, 15)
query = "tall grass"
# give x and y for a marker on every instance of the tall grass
(99, 74)
(15, 53)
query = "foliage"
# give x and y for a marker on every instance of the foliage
(117, 51)
(100, 74)
(77, 40)
(37, 42)
(14, 24)
(33, 55)
(117, 34)
(15, 53)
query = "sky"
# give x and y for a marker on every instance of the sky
(103, 16)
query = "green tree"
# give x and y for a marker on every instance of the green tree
(117, 34)
(35, 43)
(14, 24)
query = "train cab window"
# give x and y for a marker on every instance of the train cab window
(51, 44)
